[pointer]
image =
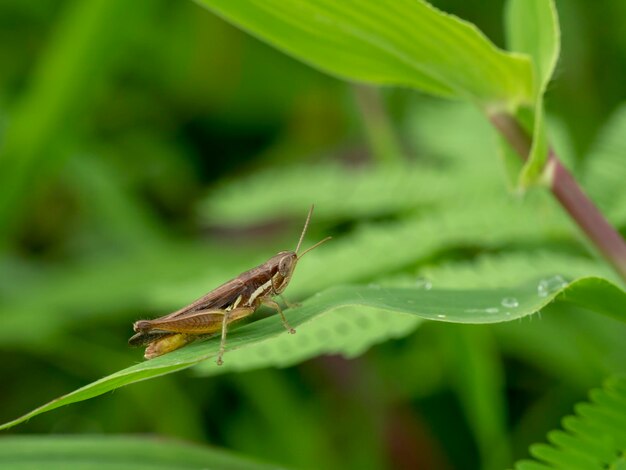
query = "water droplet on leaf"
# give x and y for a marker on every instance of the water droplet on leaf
(550, 285)
(510, 302)
(423, 283)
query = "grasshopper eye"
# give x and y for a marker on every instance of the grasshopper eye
(285, 266)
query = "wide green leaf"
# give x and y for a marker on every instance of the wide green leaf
(348, 319)
(546, 344)
(532, 28)
(388, 42)
(115, 453)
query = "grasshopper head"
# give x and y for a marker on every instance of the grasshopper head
(287, 261)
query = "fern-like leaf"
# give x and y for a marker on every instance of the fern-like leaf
(593, 439)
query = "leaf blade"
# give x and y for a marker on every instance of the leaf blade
(115, 452)
(460, 306)
(533, 28)
(406, 43)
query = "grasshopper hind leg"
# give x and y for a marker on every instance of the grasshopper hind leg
(230, 316)
(167, 343)
(220, 355)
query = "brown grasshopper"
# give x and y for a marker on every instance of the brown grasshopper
(232, 301)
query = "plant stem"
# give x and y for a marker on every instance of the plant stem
(571, 196)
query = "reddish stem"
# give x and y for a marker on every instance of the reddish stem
(571, 196)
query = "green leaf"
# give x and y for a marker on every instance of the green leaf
(469, 147)
(594, 438)
(535, 165)
(348, 319)
(388, 42)
(172, 276)
(470, 223)
(340, 193)
(512, 268)
(546, 344)
(444, 168)
(115, 453)
(532, 28)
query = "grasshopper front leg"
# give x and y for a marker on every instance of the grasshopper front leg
(271, 303)
(289, 304)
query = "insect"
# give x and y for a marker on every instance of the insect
(215, 311)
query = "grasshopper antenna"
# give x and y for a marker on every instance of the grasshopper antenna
(314, 246)
(306, 225)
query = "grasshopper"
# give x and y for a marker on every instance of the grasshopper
(230, 302)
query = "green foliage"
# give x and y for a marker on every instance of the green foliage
(533, 29)
(348, 319)
(67, 77)
(366, 192)
(406, 43)
(143, 184)
(412, 44)
(594, 438)
(115, 452)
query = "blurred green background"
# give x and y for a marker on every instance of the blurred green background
(149, 151)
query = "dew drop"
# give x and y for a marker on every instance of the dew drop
(510, 302)
(423, 283)
(441, 316)
(550, 285)
(492, 310)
